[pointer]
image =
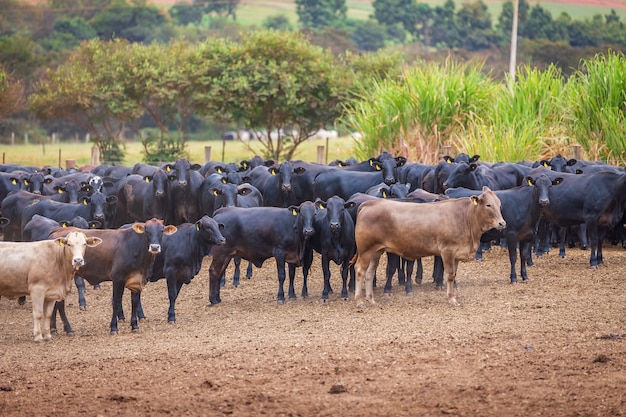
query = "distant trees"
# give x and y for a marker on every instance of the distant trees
(319, 13)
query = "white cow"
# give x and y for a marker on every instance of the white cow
(45, 271)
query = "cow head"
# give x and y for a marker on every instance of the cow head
(100, 206)
(305, 223)
(181, 170)
(76, 243)
(154, 231)
(490, 216)
(211, 230)
(542, 185)
(286, 170)
(334, 209)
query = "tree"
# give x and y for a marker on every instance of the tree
(11, 94)
(281, 86)
(222, 8)
(68, 33)
(445, 31)
(277, 22)
(505, 19)
(184, 13)
(369, 35)
(539, 25)
(393, 12)
(317, 13)
(87, 90)
(137, 22)
(474, 22)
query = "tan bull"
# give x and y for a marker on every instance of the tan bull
(450, 229)
(45, 271)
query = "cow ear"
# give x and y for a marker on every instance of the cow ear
(13, 181)
(530, 181)
(579, 171)
(244, 165)
(474, 199)
(448, 159)
(48, 180)
(475, 158)
(93, 241)
(58, 189)
(544, 163)
(85, 200)
(383, 192)
(294, 210)
(64, 223)
(571, 162)
(94, 224)
(299, 170)
(214, 191)
(224, 180)
(219, 169)
(221, 226)
(557, 181)
(61, 241)
(320, 204)
(25, 181)
(196, 167)
(245, 179)
(147, 178)
(349, 204)
(273, 171)
(87, 188)
(340, 164)
(244, 191)
(170, 229)
(400, 160)
(198, 225)
(139, 228)
(473, 166)
(168, 167)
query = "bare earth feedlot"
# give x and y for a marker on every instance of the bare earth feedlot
(554, 346)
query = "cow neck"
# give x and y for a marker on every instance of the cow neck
(471, 225)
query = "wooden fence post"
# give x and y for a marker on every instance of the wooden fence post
(207, 154)
(577, 151)
(320, 154)
(95, 156)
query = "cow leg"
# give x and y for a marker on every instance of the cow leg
(37, 300)
(60, 307)
(524, 254)
(393, 263)
(582, 235)
(512, 244)
(237, 273)
(48, 306)
(22, 300)
(249, 271)
(173, 289)
(216, 270)
(140, 315)
(450, 268)
(326, 272)
(118, 292)
(562, 240)
(292, 277)
(80, 285)
(601, 236)
(438, 271)
(408, 285)
(135, 301)
(419, 274)
(280, 256)
(306, 268)
(345, 267)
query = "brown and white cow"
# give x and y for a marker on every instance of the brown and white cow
(45, 271)
(450, 228)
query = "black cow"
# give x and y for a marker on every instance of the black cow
(521, 209)
(344, 183)
(497, 177)
(141, 198)
(181, 256)
(597, 200)
(383, 190)
(275, 183)
(334, 240)
(385, 162)
(125, 258)
(257, 234)
(89, 208)
(185, 190)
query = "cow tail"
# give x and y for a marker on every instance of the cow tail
(354, 259)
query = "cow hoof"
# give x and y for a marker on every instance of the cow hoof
(142, 319)
(82, 308)
(418, 281)
(453, 302)
(113, 332)
(388, 294)
(281, 301)
(39, 341)
(54, 331)
(360, 305)
(344, 298)
(409, 293)
(440, 287)
(171, 322)
(136, 330)
(70, 333)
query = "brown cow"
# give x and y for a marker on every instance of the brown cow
(449, 228)
(125, 258)
(45, 271)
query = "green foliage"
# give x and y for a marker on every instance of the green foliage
(184, 13)
(521, 124)
(158, 149)
(597, 102)
(369, 36)
(420, 112)
(318, 13)
(277, 22)
(11, 94)
(136, 22)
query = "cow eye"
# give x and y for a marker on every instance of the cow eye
(488, 205)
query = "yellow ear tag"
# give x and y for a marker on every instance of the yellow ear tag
(147, 179)
(13, 181)
(168, 168)
(197, 226)
(84, 202)
(219, 170)
(214, 192)
(377, 167)
(26, 182)
(474, 201)
(224, 180)
(60, 190)
(545, 164)
(294, 212)
(61, 243)
(448, 161)
(530, 183)
(339, 164)
(384, 193)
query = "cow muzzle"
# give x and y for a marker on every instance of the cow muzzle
(501, 225)
(154, 248)
(335, 227)
(77, 263)
(390, 181)
(544, 202)
(308, 232)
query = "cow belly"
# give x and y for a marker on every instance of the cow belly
(135, 282)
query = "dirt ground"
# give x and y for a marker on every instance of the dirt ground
(554, 346)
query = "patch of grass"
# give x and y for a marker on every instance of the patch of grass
(227, 151)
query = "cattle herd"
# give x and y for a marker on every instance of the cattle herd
(131, 225)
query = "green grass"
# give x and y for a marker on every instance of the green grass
(255, 11)
(233, 151)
